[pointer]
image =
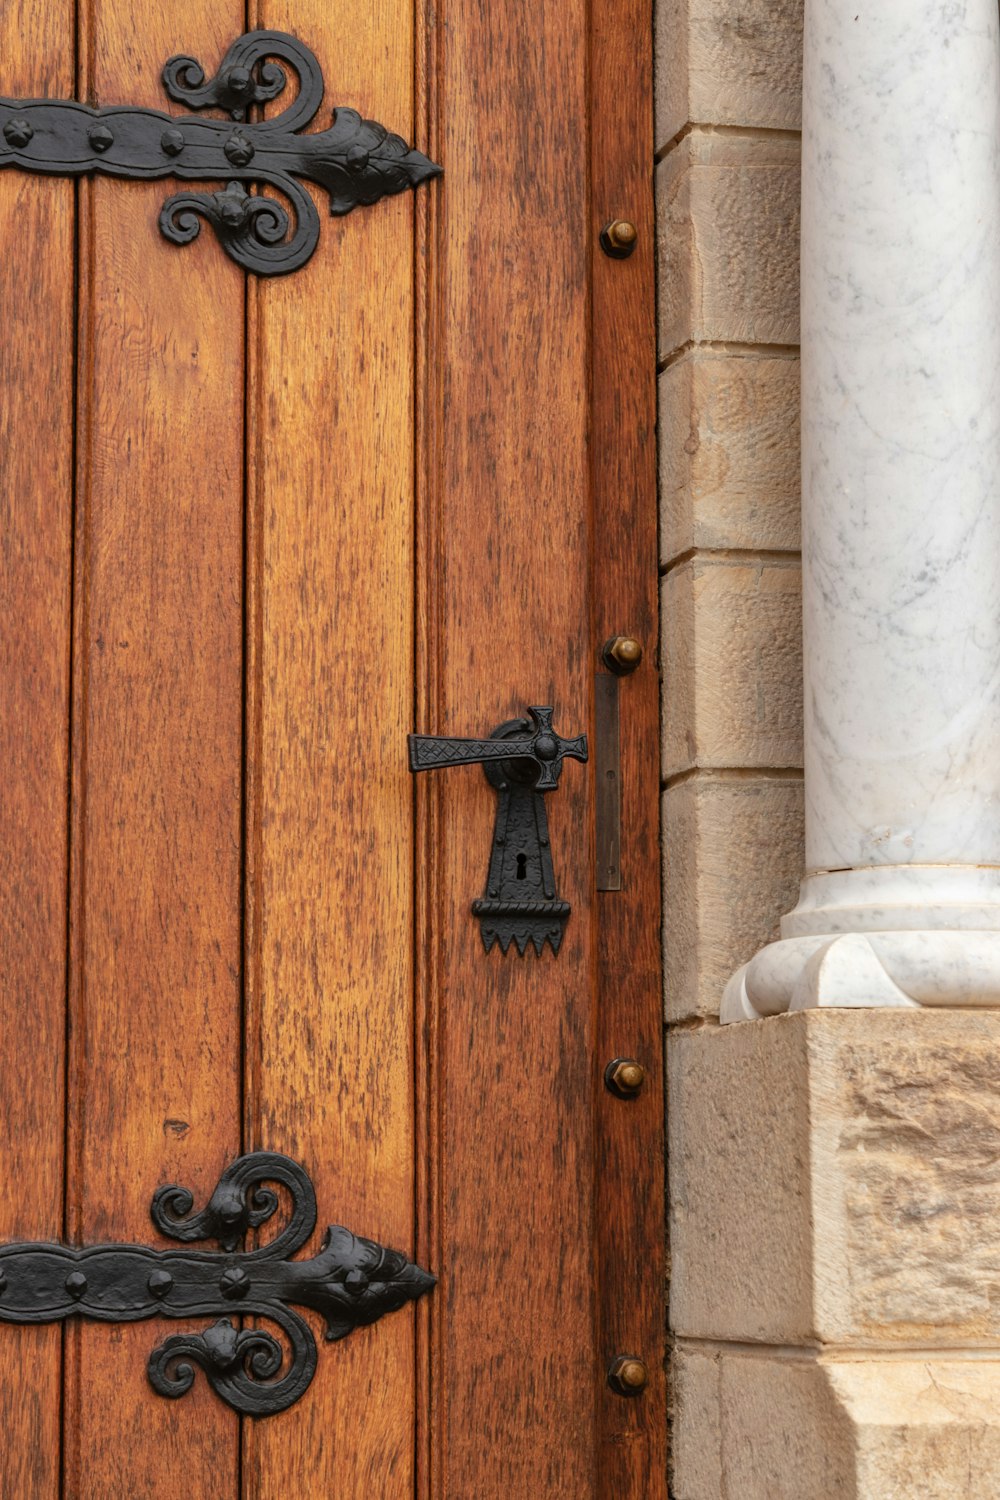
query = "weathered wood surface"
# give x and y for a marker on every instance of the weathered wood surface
(507, 623)
(443, 429)
(155, 899)
(330, 679)
(630, 1224)
(36, 499)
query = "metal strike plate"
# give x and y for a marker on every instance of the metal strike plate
(621, 655)
(522, 760)
(608, 780)
(357, 161)
(351, 1282)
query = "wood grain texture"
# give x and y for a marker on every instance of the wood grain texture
(330, 683)
(630, 1217)
(36, 529)
(505, 623)
(428, 825)
(155, 900)
(469, 560)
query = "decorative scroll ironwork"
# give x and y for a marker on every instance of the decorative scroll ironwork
(351, 1282)
(357, 161)
(522, 759)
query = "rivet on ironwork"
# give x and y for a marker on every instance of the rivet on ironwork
(234, 1282)
(239, 82)
(234, 206)
(239, 149)
(227, 1348)
(100, 137)
(17, 132)
(230, 1210)
(172, 142)
(351, 1282)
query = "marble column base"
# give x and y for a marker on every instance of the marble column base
(901, 936)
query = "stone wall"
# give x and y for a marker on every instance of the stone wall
(835, 1203)
(835, 1174)
(727, 181)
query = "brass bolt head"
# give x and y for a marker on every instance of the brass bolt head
(628, 1375)
(622, 654)
(618, 239)
(625, 1077)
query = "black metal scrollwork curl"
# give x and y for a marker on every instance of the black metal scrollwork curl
(254, 231)
(243, 79)
(219, 1350)
(356, 161)
(246, 78)
(240, 1202)
(351, 1282)
(240, 1365)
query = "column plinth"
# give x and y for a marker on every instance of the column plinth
(900, 904)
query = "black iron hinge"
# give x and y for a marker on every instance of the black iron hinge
(357, 161)
(351, 1282)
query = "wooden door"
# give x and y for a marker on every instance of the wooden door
(254, 531)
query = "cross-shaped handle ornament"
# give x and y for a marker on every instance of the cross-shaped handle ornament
(543, 746)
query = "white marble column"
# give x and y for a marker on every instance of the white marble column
(900, 904)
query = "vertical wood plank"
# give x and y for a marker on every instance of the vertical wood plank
(507, 622)
(428, 828)
(630, 1222)
(155, 908)
(36, 530)
(329, 960)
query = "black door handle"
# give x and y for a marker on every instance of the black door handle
(546, 748)
(522, 759)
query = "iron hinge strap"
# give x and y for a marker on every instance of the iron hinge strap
(357, 161)
(351, 1282)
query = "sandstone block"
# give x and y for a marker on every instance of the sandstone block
(728, 62)
(732, 665)
(732, 859)
(834, 1179)
(729, 452)
(728, 240)
(777, 1427)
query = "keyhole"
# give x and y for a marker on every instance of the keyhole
(522, 866)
